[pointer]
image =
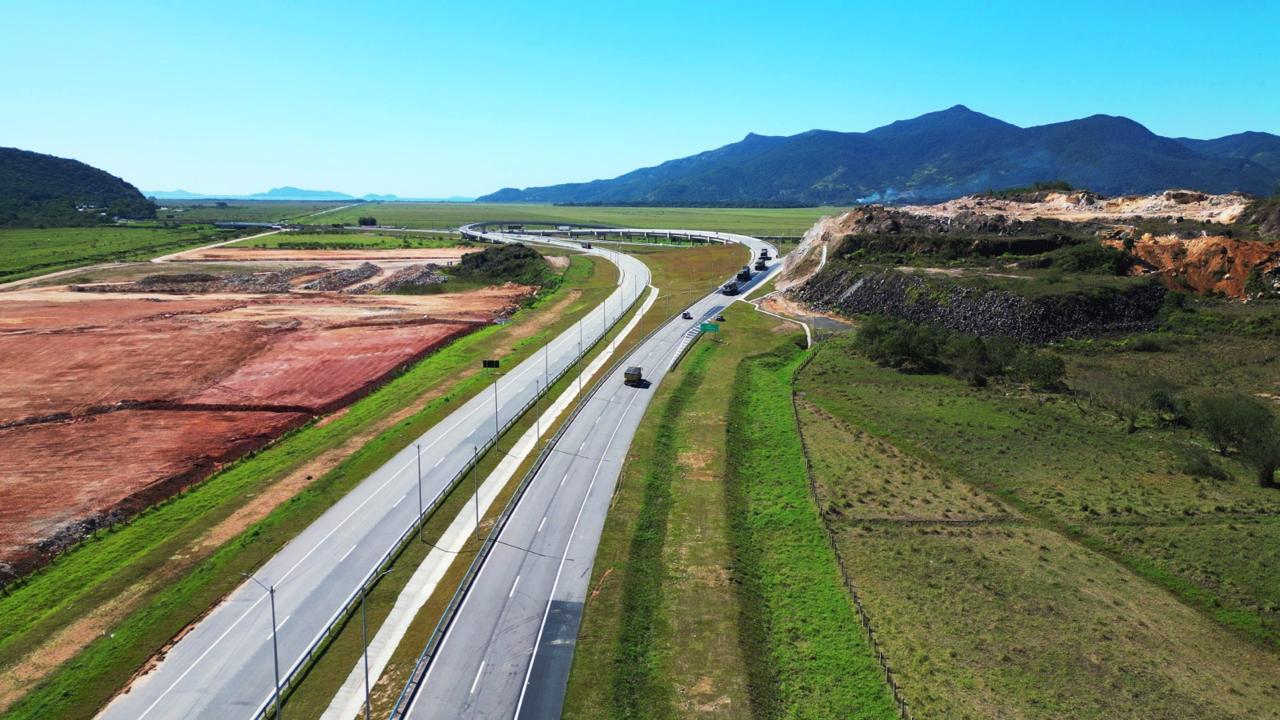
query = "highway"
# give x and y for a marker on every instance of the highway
(507, 651)
(223, 667)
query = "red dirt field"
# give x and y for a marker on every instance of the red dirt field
(112, 401)
(242, 254)
(63, 480)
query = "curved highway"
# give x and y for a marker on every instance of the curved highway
(223, 667)
(508, 650)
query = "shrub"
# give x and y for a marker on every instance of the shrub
(367, 221)
(1199, 465)
(1229, 418)
(1040, 370)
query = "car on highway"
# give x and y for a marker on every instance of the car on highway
(719, 317)
(686, 315)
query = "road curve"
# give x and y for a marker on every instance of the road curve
(223, 667)
(507, 651)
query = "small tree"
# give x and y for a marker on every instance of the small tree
(1260, 447)
(1228, 418)
(367, 221)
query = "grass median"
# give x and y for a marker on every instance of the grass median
(158, 572)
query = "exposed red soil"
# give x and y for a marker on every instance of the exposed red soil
(110, 402)
(1207, 265)
(62, 480)
(241, 254)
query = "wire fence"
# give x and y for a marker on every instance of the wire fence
(900, 702)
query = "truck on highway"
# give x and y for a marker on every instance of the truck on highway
(745, 273)
(762, 264)
(730, 288)
(633, 376)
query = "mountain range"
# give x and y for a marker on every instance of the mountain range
(294, 193)
(44, 190)
(933, 157)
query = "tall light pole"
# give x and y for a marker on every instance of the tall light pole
(496, 426)
(421, 531)
(537, 418)
(475, 484)
(364, 636)
(275, 646)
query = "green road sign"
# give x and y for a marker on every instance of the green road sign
(710, 327)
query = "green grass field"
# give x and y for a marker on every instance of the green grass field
(760, 221)
(28, 252)
(349, 241)
(1023, 558)
(207, 211)
(159, 559)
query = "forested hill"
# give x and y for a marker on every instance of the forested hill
(43, 190)
(936, 156)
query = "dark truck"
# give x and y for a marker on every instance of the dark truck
(633, 377)
(762, 264)
(730, 288)
(745, 273)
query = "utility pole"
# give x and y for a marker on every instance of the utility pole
(537, 417)
(275, 645)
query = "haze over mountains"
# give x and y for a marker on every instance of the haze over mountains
(937, 156)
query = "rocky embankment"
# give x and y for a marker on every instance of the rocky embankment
(981, 311)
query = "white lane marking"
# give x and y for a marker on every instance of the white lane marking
(544, 522)
(442, 457)
(513, 588)
(476, 682)
(397, 503)
(572, 531)
(345, 554)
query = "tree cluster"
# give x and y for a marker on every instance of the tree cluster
(915, 348)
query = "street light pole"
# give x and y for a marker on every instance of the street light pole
(475, 483)
(496, 426)
(364, 637)
(275, 646)
(418, 447)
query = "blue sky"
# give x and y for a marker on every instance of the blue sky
(434, 99)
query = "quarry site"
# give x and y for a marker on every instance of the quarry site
(119, 393)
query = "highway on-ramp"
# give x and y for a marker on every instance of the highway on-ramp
(507, 651)
(223, 667)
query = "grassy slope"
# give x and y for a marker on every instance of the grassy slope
(95, 572)
(764, 221)
(661, 638)
(28, 252)
(798, 623)
(986, 609)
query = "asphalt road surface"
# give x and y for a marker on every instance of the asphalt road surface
(508, 651)
(223, 667)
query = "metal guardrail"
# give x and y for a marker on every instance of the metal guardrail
(451, 610)
(294, 674)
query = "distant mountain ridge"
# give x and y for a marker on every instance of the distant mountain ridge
(933, 157)
(44, 190)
